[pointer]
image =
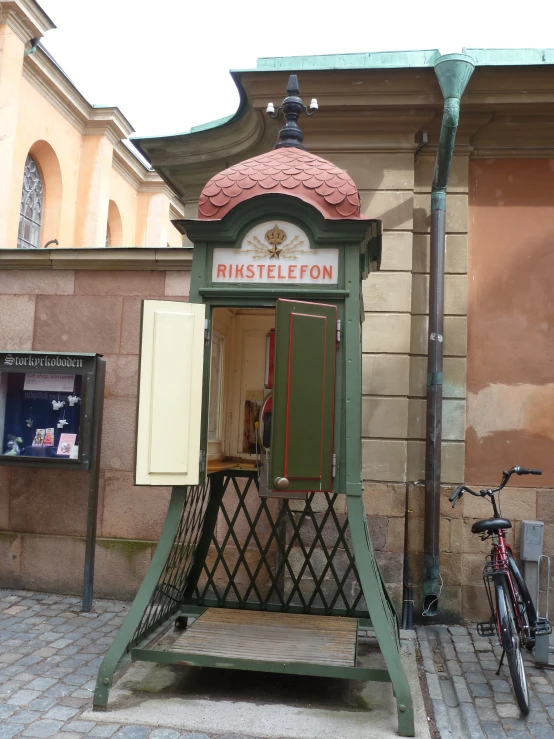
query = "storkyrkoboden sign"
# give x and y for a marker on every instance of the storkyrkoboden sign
(276, 253)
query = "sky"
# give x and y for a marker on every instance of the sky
(166, 64)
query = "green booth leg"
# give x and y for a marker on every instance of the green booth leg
(142, 599)
(381, 611)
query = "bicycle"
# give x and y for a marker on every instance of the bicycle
(513, 614)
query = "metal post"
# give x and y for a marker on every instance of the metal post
(94, 477)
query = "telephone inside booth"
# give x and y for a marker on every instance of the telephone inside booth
(271, 394)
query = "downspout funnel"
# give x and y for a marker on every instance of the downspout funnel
(453, 72)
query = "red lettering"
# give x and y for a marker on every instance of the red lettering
(292, 271)
(270, 269)
(303, 270)
(281, 275)
(239, 270)
(261, 268)
(250, 271)
(221, 269)
(315, 271)
(327, 272)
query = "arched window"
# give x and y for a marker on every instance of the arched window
(30, 216)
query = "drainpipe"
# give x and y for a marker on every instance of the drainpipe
(453, 72)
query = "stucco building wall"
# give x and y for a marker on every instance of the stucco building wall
(88, 173)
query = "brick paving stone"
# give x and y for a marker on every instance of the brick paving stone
(23, 697)
(547, 699)
(9, 657)
(133, 732)
(7, 709)
(41, 683)
(467, 657)
(537, 717)
(164, 734)
(24, 716)
(494, 730)
(500, 686)
(453, 668)
(58, 691)
(541, 731)
(518, 735)
(508, 710)
(205, 736)
(7, 731)
(478, 690)
(104, 730)
(42, 704)
(457, 630)
(481, 703)
(43, 728)
(79, 726)
(63, 713)
(30, 660)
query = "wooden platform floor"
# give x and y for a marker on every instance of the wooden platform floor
(286, 637)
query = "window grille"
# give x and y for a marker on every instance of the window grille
(30, 217)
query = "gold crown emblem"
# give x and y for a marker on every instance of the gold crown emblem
(275, 236)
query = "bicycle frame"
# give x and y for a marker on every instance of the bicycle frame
(496, 567)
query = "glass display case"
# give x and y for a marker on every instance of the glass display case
(46, 408)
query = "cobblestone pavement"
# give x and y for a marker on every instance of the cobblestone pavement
(50, 653)
(49, 658)
(461, 666)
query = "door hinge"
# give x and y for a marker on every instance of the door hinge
(338, 331)
(334, 465)
(207, 331)
(202, 460)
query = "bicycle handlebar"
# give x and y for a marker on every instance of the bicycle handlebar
(461, 489)
(526, 471)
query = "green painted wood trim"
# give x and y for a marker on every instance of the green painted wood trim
(351, 453)
(275, 608)
(190, 610)
(254, 665)
(127, 629)
(304, 395)
(210, 520)
(296, 293)
(321, 231)
(382, 616)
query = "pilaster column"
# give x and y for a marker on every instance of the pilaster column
(106, 127)
(18, 25)
(154, 198)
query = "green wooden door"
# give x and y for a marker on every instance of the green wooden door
(303, 397)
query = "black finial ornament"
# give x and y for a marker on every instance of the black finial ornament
(291, 133)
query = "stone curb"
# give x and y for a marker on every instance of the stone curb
(437, 686)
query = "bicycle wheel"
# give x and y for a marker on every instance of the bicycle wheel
(525, 604)
(510, 642)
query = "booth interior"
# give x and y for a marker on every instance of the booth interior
(241, 383)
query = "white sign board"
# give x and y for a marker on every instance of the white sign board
(276, 253)
(55, 383)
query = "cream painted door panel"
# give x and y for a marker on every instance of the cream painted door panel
(170, 393)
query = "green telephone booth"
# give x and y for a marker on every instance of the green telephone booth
(250, 407)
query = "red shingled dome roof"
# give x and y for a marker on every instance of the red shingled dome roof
(289, 171)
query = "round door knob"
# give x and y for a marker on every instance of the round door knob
(281, 483)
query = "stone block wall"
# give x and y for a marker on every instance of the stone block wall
(43, 512)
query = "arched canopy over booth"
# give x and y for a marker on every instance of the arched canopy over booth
(250, 407)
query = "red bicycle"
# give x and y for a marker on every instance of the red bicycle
(513, 614)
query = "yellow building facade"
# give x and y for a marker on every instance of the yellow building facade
(66, 173)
